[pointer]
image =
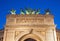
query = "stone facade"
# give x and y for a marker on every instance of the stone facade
(30, 27)
(1, 35)
(58, 35)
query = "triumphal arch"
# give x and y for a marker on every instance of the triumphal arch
(30, 27)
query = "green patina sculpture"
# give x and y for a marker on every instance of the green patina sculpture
(26, 11)
(13, 11)
(22, 11)
(33, 12)
(37, 11)
(47, 11)
(30, 11)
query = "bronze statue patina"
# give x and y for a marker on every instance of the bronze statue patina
(13, 11)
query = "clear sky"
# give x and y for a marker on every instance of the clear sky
(7, 5)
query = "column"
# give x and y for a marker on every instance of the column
(49, 35)
(4, 37)
(55, 37)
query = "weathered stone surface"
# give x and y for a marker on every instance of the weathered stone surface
(38, 27)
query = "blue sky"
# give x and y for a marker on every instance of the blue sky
(7, 5)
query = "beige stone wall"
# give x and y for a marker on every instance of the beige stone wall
(1, 35)
(58, 35)
(21, 27)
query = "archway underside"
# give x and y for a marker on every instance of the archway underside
(30, 37)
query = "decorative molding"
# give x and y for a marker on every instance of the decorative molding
(31, 31)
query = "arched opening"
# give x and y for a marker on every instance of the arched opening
(29, 39)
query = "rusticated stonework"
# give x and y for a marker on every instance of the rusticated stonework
(30, 27)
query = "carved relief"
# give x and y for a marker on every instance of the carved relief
(17, 33)
(29, 20)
